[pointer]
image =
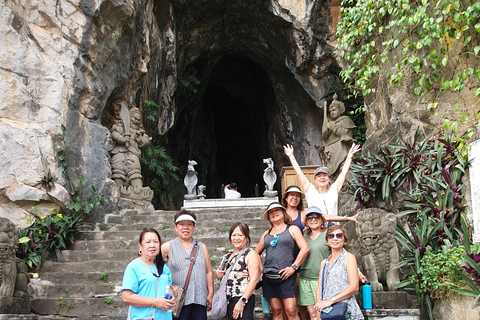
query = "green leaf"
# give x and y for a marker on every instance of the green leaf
(444, 61)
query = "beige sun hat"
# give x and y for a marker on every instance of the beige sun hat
(293, 189)
(272, 206)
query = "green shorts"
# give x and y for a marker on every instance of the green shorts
(307, 289)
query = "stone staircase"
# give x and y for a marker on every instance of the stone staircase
(86, 283)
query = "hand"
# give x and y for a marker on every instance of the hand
(319, 306)
(219, 273)
(209, 301)
(361, 276)
(164, 304)
(288, 149)
(354, 149)
(238, 310)
(353, 218)
(286, 272)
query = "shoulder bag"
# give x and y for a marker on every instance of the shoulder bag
(219, 300)
(179, 292)
(338, 310)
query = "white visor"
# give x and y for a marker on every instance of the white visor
(185, 217)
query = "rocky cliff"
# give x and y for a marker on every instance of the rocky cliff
(264, 69)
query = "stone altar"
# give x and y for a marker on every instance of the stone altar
(379, 252)
(337, 135)
(129, 137)
(14, 298)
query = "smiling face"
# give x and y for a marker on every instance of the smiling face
(334, 111)
(149, 245)
(293, 199)
(314, 221)
(275, 215)
(238, 239)
(185, 230)
(322, 179)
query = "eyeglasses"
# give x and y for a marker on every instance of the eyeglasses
(273, 243)
(311, 217)
(333, 235)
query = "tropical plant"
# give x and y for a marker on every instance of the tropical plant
(421, 38)
(85, 204)
(47, 180)
(47, 234)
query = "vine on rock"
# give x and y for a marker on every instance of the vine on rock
(423, 38)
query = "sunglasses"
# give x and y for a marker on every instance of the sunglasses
(333, 235)
(273, 243)
(311, 217)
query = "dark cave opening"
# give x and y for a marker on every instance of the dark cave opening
(238, 95)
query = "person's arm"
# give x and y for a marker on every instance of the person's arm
(165, 249)
(253, 267)
(288, 149)
(208, 266)
(133, 299)
(351, 289)
(260, 246)
(329, 217)
(301, 256)
(346, 166)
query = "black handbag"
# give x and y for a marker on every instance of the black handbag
(337, 311)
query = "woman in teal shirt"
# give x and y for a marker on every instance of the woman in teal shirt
(145, 279)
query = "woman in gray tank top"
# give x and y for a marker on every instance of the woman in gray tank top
(281, 261)
(198, 298)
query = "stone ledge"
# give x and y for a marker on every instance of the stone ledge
(391, 314)
(14, 305)
(228, 203)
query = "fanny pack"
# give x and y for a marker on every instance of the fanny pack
(272, 277)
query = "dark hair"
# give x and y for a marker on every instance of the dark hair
(322, 226)
(284, 199)
(338, 227)
(158, 259)
(182, 212)
(233, 185)
(244, 228)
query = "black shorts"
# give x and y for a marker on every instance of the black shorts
(286, 289)
(247, 310)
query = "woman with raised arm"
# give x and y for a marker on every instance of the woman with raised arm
(322, 194)
(281, 261)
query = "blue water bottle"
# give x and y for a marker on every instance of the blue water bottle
(168, 295)
(265, 305)
(367, 296)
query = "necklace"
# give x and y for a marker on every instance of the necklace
(145, 262)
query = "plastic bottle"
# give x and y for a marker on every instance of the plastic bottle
(168, 295)
(367, 295)
(265, 305)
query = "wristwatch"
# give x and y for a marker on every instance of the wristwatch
(294, 266)
(244, 300)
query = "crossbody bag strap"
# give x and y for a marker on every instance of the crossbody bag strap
(323, 277)
(225, 276)
(192, 261)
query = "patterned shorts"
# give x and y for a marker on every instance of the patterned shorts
(307, 290)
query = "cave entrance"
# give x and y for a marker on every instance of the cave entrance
(238, 95)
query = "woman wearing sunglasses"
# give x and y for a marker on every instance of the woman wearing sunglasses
(338, 278)
(281, 261)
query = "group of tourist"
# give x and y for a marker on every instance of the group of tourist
(305, 269)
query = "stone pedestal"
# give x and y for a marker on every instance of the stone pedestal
(392, 314)
(455, 307)
(13, 305)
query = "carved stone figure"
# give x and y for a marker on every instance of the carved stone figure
(190, 181)
(201, 189)
(13, 274)
(376, 233)
(337, 135)
(129, 137)
(270, 177)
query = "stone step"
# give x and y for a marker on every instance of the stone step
(76, 307)
(83, 277)
(96, 289)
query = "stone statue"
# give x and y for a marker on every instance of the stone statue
(201, 189)
(191, 181)
(270, 178)
(376, 234)
(14, 297)
(129, 137)
(337, 135)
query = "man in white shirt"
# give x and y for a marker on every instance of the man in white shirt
(231, 191)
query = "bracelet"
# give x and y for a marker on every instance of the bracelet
(345, 218)
(153, 300)
(334, 299)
